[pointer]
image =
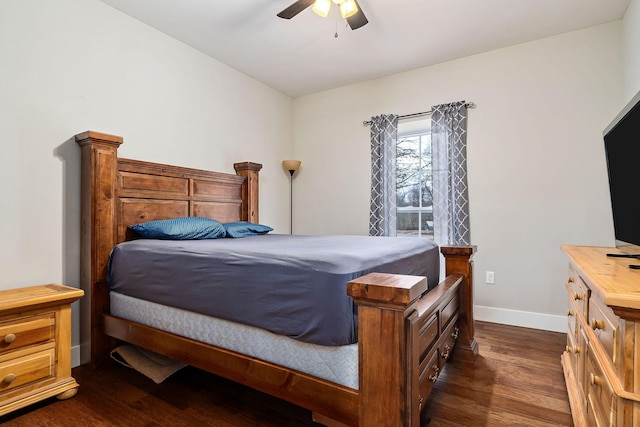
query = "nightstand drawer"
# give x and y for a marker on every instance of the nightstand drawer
(27, 369)
(35, 345)
(26, 331)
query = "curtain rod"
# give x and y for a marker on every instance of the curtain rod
(424, 113)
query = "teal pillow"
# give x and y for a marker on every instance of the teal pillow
(186, 228)
(243, 229)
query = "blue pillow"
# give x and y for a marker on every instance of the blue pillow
(243, 229)
(187, 228)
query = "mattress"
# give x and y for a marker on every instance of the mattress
(338, 364)
(288, 285)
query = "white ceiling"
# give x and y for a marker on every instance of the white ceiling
(301, 56)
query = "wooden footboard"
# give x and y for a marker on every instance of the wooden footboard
(405, 338)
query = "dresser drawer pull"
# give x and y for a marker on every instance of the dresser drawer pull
(571, 279)
(447, 350)
(433, 377)
(574, 349)
(455, 333)
(597, 324)
(595, 380)
(9, 338)
(578, 297)
(9, 378)
(569, 312)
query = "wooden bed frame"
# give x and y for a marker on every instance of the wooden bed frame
(404, 339)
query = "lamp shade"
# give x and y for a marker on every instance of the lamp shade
(291, 165)
(322, 7)
(348, 8)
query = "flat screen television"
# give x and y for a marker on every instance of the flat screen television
(622, 149)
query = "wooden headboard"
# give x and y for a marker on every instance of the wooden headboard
(117, 193)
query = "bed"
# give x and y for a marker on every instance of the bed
(405, 335)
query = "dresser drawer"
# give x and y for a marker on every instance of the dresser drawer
(573, 350)
(578, 291)
(592, 421)
(27, 331)
(428, 335)
(581, 356)
(572, 316)
(448, 312)
(600, 392)
(605, 324)
(429, 371)
(448, 340)
(27, 369)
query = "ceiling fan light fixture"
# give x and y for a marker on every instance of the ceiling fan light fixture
(348, 8)
(322, 7)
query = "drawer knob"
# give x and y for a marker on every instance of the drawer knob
(574, 349)
(9, 338)
(433, 377)
(597, 324)
(571, 279)
(578, 297)
(447, 349)
(569, 312)
(595, 380)
(9, 378)
(455, 333)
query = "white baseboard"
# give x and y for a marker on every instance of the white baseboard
(75, 356)
(527, 319)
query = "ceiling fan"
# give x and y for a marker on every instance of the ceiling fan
(350, 10)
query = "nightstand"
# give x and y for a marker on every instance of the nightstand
(35, 345)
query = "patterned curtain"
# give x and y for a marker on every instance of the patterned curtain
(450, 192)
(382, 217)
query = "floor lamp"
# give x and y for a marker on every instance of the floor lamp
(292, 166)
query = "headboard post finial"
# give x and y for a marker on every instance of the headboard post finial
(91, 137)
(249, 189)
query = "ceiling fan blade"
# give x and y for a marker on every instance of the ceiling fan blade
(295, 9)
(358, 19)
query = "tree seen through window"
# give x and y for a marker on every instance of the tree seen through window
(414, 185)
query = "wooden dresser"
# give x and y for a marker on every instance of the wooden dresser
(602, 359)
(35, 345)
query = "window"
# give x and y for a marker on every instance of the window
(414, 182)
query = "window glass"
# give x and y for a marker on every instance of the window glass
(414, 184)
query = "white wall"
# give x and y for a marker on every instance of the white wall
(536, 168)
(631, 44)
(67, 66)
(536, 163)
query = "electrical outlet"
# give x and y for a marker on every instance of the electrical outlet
(490, 277)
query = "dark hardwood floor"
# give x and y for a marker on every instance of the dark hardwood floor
(516, 381)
